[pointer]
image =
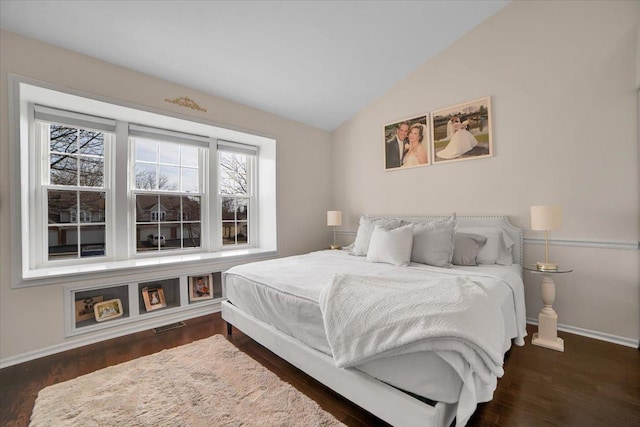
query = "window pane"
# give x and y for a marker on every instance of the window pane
(92, 206)
(191, 235)
(168, 178)
(169, 208)
(92, 241)
(233, 173)
(169, 153)
(169, 237)
(147, 208)
(63, 170)
(228, 233)
(63, 139)
(242, 232)
(61, 206)
(91, 143)
(146, 150)
(190, 208)
(91, 172)
(234, 232)
(189, 156)
(146, 176)
(190, 180)
(148, 238)
(63, 242)
(242, 209)
(228, 208)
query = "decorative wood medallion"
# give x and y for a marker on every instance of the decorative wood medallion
(185, 101)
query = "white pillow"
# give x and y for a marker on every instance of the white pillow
(391, 246)
(433, 242)
(497, 250)
(363, 236)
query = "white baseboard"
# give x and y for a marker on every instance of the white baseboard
(92, 338)
(615, 339)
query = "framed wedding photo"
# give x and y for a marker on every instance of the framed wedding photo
(406, 144)
(153, 298)
(200, 287)
(462, 132)
(107, 310)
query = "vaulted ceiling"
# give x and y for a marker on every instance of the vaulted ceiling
(316, 62)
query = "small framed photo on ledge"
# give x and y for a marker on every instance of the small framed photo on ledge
(107, 310)
(153, 298)
(200, 287)
(84, 308)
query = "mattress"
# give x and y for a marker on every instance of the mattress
(284, 293)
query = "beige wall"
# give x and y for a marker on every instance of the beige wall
(563, 81)
(32, 318)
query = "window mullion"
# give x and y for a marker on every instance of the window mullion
(121, 168)
(212, 231)
(40, 216)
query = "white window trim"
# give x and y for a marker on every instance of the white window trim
(252, 174)
(38, 234)
(24, 91)
(204, 184)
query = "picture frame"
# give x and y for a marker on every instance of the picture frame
(415, 150)
(154, 298)
(462, 132)
(201, 287)
(84, 308)
(107, 310)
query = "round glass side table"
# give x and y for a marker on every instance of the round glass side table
(547, 335)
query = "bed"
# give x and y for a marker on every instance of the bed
(294, 307)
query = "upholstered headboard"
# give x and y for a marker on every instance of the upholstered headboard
(499, 221)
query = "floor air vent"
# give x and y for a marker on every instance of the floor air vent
(168, 327)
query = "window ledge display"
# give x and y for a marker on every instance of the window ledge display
(136, 302)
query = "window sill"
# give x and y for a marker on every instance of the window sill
(119, 270)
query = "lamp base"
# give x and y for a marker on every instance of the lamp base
(547, 266)
(334, 247)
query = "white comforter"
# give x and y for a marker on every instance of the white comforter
(307, 276)
(367, 318)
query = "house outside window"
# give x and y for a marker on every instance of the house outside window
(73, 189)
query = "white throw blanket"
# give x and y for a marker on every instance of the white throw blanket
(368, 318)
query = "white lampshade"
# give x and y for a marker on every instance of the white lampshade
(334, 218)
(546, 218)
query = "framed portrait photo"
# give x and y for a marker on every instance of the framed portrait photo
(462, 132)
(84, 308)
(153, 298)
(200, 287)
(107, 310)
(406, 144)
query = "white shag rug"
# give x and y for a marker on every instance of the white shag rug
(206, 383)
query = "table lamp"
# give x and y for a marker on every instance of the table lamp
(334, 219)
(546, 218)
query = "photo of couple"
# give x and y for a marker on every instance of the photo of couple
(406, 143)
(462, 132)
(459, 132)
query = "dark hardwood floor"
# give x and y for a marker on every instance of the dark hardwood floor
(592, 383)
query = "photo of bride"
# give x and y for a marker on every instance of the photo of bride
(462, 132)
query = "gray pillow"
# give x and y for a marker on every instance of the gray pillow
(466, 248)
(498, 247)
(433, 242)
